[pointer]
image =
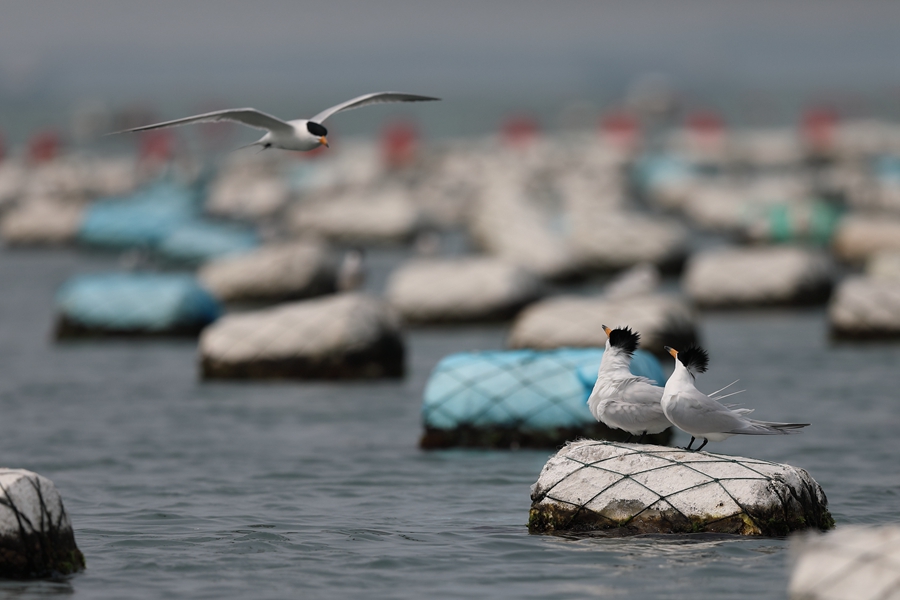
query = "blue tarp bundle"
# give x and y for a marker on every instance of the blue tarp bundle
(143, 219)
(197, 241)
(526, 389)
(136, 302)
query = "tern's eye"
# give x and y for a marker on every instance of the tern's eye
(316, 129)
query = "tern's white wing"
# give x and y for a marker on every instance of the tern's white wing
(367, 99)
(694, 411)
(637, 409)
(247, 116)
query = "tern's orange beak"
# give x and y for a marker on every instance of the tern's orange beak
(606, 329)
(323, 141)
(672, 351)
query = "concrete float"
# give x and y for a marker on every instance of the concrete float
(343, 336)
(850, 563)
(41, 222)
(133, 305)
(865, 308)
(757, 278)
(860, 236)
(577, 321)
(245, 197)
(611, 240)
(507, 223)
(36, 537)
(519, 399)
(618, 489)
(461, 290)
(289, 271)
(386, 216)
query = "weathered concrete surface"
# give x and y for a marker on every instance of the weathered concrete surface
(36, 537)
(626, 489)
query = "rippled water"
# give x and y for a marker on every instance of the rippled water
(182, 489)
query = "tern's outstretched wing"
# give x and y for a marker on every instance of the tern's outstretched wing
(247, 116)
(376, 98)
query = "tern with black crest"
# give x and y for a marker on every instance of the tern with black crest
(299, 134)
(704, 417)
(620, 399)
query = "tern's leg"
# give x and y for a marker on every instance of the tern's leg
(705, 441)
(641, 439)
(630, 435)
(688, 447)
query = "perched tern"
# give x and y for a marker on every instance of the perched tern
(300, 134)
(621, 399)
(703, 417)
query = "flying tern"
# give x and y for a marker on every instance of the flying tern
(621, 399)
(704, 417)
(299, 134)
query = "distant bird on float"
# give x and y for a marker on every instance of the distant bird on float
(704, 417)
(300, 134)
(620, 399)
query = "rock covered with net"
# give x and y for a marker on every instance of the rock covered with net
(41, 222)
(757, 277)
(578, 322)
(383, 216)
(865, 308)
(334, 337)
(272, 273)
(468, 289)
(860, 236)
(851, 563)
(625, 489)
(36, 537)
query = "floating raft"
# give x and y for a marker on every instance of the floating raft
(36, 537)
(519, 398)
(627, 489)
(133, 304)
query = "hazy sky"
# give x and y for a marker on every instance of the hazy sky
(250, 52)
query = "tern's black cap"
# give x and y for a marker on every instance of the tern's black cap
(624, 339)
(316, 129)
(694, 359)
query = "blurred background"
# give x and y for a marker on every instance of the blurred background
(715, 171)
(754, 62)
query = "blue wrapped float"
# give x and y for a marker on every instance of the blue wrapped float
(141, 220)
(129, 304)
(519, 398)
(198, 241)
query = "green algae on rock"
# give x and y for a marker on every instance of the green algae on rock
(36, 537)
(626, 489)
